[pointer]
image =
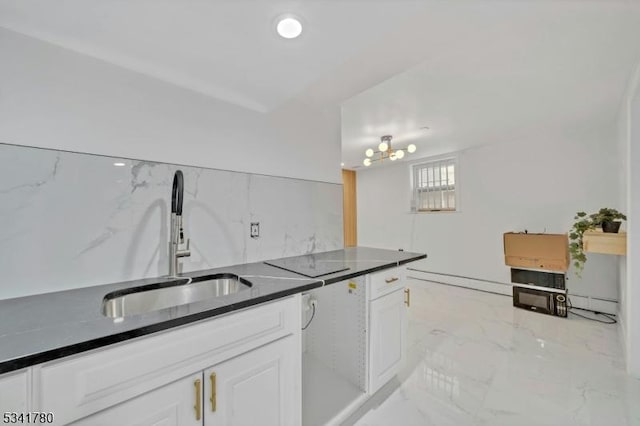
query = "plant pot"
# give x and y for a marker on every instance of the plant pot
(611, 227)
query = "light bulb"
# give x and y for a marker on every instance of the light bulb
(393, 157)
(399, 154)
(383, 146)
(366, 162)
(369, 152)
(411, 148)
(289, 28)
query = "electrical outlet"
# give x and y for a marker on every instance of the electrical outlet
(255, 229)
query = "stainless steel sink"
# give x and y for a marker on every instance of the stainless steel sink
(153, 297)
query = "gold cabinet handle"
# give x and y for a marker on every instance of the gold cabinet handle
(391, 280)
(407, 300)
(198, 406)
(213, 398)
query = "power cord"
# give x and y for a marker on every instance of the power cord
(612, 320)
(313, 314)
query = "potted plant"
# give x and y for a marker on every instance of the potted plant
(608, 219)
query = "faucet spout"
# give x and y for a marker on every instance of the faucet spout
(176, 237)
(177, 193)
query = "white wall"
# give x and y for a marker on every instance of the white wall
(623, 161)
(537, 185)
(629, 136)
(77, 220)
(55, 98)
(633, 257)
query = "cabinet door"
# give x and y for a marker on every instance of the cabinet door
(261, 387)
(388, 318)
(14, 392)
(115, 374)
(172, 405)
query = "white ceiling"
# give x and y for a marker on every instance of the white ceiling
(225, 49)
(475, 72)
(499, 72)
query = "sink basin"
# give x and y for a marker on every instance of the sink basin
(167, 294)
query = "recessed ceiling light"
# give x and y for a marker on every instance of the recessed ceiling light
(119, 164)
(341, 164)
(289, 27)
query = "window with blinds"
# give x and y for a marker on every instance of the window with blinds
(434, 186)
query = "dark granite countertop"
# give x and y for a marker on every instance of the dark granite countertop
(40, 328)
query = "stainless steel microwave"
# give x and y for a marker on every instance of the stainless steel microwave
(544, 300)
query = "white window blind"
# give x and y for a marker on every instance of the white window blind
(434, 186)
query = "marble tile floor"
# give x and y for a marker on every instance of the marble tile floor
(474, 359)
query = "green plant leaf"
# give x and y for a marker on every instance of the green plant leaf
(583, 223)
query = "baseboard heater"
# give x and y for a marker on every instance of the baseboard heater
(502, 288)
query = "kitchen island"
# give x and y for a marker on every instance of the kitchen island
(48, 339)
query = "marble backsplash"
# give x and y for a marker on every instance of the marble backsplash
(75, 220)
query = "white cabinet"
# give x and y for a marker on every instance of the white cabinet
(387, 335)
(261, 387)
(14, 392)
(354, 344)
(139, 375)
(176, 404)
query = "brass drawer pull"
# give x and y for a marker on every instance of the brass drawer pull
(198, 407)
(391, 280)
(407, 300)
(213, 398)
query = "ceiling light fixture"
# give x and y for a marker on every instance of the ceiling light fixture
(119, 164)
(385, 151)
(289, 27)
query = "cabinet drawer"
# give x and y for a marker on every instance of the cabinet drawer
(385, 282)
(78, 387)
(14, 392)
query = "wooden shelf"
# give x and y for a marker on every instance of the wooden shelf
(548, 252)
(605, 243)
